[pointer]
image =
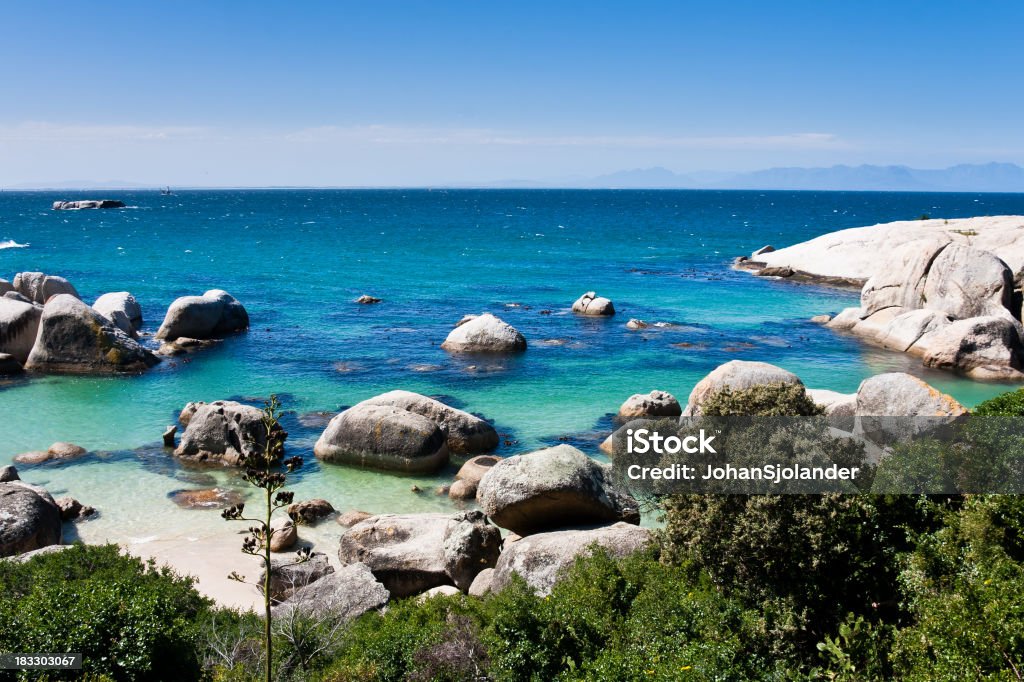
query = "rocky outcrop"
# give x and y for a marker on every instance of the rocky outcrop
(653, 404)
(213, 315)
(86, 204)
(19, 326)
(592, 305)
(366, 299)
(75, 339)
(289, 577)
(552, 488)
(223, 431)
(934, 289)
(122, 309)
(736, 375)
(467, 434)
(485, 334)
(384, 437)
(341, 596)
(542, 558)
(38, 287)
(411, 553)
(852, 255)
(28, 520)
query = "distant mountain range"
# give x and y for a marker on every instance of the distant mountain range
(989, 177)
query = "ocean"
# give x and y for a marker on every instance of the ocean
(297, 258)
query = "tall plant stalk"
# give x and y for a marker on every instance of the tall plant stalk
(264, 470)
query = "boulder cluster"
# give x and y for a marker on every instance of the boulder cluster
(45, 327)
(946, 291)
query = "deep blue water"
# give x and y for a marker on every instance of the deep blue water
(297, 258)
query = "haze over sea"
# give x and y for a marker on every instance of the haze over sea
(297, 259)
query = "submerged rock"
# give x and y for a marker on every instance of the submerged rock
(213, 315)
(552, 488)
(593, 305)
(485, 334)
(209, 498)
(75, 339)
(542, 558)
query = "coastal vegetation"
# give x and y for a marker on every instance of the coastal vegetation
(771, 587)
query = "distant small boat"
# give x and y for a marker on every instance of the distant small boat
(166, 191)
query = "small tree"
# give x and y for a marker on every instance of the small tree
(263, 470)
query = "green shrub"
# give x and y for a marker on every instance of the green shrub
(1006, 405)
(128, 619)
(764, 400)
(963, 585)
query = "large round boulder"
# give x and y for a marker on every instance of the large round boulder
(467, 434)
(592, 305)
(28, 520)
(485, 334)
(19, 326)
(552, 488)
(982, 347)
(467, 480)
(384, 437)
(224, 431)
(736, 375)
(653, 404)
(122, 309)
(411, 553)
(897, 394)
(39, 287)
(964, 282)
(288, 576)
(75, 339)
(542, 558)
(212, 315)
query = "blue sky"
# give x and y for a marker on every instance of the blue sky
(347, 93)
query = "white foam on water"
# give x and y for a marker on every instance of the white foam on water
(11, 244)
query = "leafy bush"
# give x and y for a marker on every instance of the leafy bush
(607, 619)
(128, 619)
(1006, 405)
(764, 400)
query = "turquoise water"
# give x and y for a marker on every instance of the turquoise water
(297, 258)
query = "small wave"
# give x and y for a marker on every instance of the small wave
(11, 244)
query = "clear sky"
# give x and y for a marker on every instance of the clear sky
(372, 93)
